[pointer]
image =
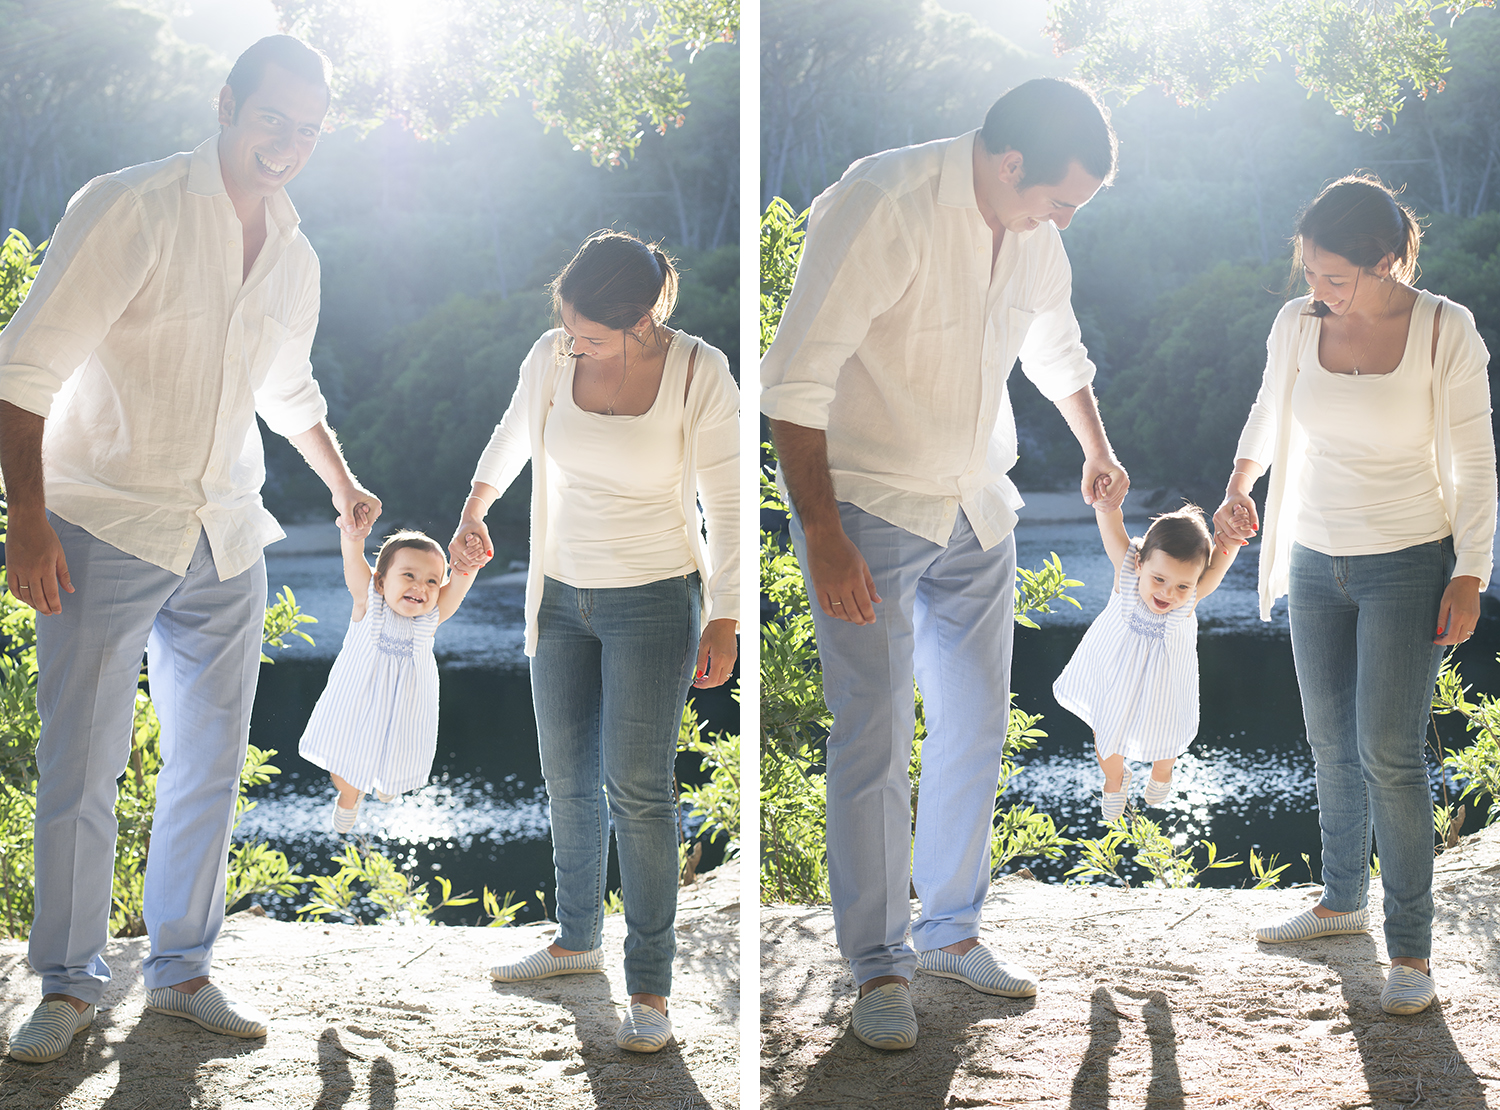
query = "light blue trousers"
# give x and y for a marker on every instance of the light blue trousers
(204, 640)
(945, 617)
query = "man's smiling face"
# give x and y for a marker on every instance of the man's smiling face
(265, 142)
(1021, 206)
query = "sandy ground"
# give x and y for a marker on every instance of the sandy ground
(1158, 999)
(387, 1017)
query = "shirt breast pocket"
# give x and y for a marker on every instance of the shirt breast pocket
(1018, 323)
(273, 338)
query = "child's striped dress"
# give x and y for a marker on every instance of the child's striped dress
(375, 725)
(1134, 677)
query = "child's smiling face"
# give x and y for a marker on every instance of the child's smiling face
(411, 583)
(1165, 583)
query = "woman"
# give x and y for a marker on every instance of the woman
(1374, 420)
(628, 424)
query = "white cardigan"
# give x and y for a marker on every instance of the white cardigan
(710, 470)
(1463, 440)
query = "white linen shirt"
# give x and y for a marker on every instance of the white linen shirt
(149, 354)
(898, 338)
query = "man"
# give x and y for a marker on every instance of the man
(176, 301)
(926, 272)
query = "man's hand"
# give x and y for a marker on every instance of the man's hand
(841, 579)
(358, 510)
(1104, 483)
(35, 566)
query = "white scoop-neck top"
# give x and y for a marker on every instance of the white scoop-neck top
(1371, 481)
(614, 487)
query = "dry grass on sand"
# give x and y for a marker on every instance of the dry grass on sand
(1156, 999)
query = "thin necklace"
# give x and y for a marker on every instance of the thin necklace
(609, 409)
(1364, 347)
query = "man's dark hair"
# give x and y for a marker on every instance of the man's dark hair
(291, 54)
(1052, 123)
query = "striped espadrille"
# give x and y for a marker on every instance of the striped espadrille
(884, 1018)
(211, 1008)
(1307, 925)
(1156, 792)
(982, 970)
(1407, 991)
(1112, 802)
(544, 965)
(645, 1029)
(342, 820)
(48, 1032)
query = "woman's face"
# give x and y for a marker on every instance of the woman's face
(591, 338)
(1339, 283)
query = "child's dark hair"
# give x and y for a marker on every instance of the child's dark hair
(1182, 534)
(405, 538)
(615, 279)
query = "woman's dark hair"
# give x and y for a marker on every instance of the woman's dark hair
(291, 54)
(406, 538)
(1182, 534)
(615, 279)
(1358, 218)
(1052, 123)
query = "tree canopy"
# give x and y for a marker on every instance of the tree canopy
(592, 69)
(1362, 55)
(87, 87)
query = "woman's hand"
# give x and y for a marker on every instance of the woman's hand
(718, 648)
(1459, 611)
(470, 548)
(1235, 521)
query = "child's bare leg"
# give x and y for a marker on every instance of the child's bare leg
(1161, 770)
(1114, 770)
(348, 796)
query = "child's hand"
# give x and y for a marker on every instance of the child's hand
(1101, 490)
(361, 520)
(475, 553)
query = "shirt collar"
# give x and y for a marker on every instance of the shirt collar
(956, 179)
(206, 179)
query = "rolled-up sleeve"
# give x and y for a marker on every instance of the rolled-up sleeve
(856, 263)
(96, 262)
(1053, 355)
(289, 400)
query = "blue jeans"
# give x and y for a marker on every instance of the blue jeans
(609, 679)
(1362, 632)
(945, 618)
(204, 648)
